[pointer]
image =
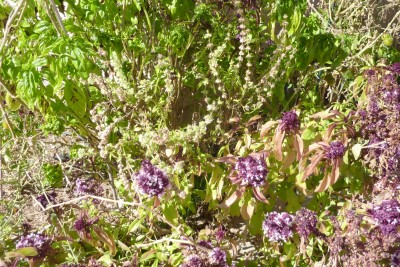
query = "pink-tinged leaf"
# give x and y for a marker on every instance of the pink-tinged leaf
(324, 184)
(227, 159)
(303, 245)
(253, 119)
(311, 168)
(327, 115)
(335, 172)
(234, 178)
(299, 146)
(106, 238)
(22, 252)
(157, 202)
(329, 132)
(259, 195)
(247, 210)
(288, 160)
(266, 127)
(232, 199)
(278, 141)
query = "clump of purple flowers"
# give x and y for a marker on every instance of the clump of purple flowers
(251, 171)
(278, 226)
(220, 234)
(151, 180)
(379, 121)
(45, 199)
(290, 122)
(387, 216)
(218, 258)
(38, 241)
(87, 187)
(193, 261)
(395, 259)
(82, 224)
(305, 222)
(336, 150)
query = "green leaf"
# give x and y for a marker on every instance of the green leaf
(22, 252)
(76, 99)
(356, 149)
(170, 212)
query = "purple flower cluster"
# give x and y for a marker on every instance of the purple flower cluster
(46, 199)
(218, 258)
(278, 226)
(395, 259)
(87, 187)
(151, 180)
(305, 222)
(82, 224)
(336, 150)
(251, 171)
(387, 216)
(219, 235)
(290, 122)
(38, 241)
(379, 120)
(193, 261)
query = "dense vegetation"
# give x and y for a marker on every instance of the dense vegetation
(199, 133)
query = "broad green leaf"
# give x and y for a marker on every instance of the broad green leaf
(76, 99)
(22, 252)
(356, 149)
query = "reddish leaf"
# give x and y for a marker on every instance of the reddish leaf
(232, 199)
(278, 140)
(227, 159)
(329, 131)
(253, 119)
(247, 210)
(311, 168)
(266, 127)
(299, 145)
(106, 238)
(324, 184)
(259, 195)
(288, 160)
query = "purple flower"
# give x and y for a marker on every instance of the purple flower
(305, 222)
(278, 226)
(336, 150)
(46, 199)
(251, 171)
(290, 122)
(220, 234)
(87, 187)
(395, 259)
(84, 222)
(395, 68)
(38, 241)
(387, 216)
(193, 261)
(151, 180)
(218, 257)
